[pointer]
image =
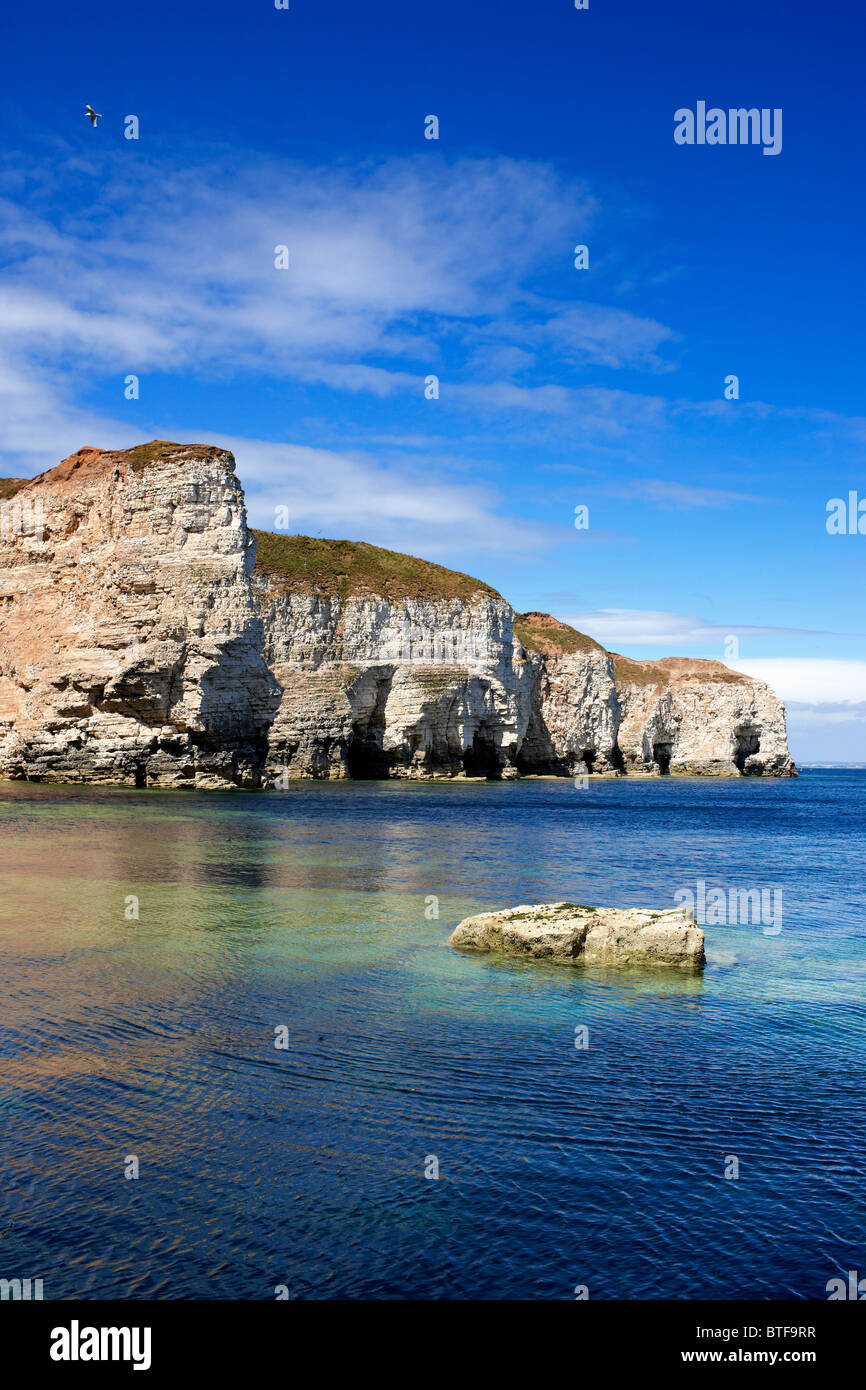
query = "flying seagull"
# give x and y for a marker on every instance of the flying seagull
(94, 115)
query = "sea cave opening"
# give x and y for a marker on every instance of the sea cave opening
(365, 755)
(589, 756)
(365, 760)
(662, 754)
(481, 758)
(748, 742)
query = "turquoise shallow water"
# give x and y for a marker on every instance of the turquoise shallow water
(154, 1036)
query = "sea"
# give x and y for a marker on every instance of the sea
(240, 1060)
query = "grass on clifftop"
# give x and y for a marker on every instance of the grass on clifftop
(305, 564)
(542, 633)
(673, 668)
(143, 454)
(9, 487)
(628, 672)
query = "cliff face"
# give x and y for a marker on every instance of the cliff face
(571, 713)
(416, 682)
(130, 647)
(686, 716)
(148, 637)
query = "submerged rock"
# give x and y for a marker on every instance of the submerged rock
(581, 935)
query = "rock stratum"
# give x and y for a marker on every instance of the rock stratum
(573, 934)
(149, 636)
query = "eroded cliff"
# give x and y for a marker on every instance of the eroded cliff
(572, 712)
(148, 636)
(130, 646)
(691, 717)
(390, 666)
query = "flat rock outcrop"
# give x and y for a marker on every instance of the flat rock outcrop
(149, 636)
(578, 935)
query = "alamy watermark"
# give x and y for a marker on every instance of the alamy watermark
(22, 516)
(846, 516)
(854, 1289)
(738, 907)
(736, 126)
(20, 1290)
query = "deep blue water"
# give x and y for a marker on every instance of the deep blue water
(304, 1167)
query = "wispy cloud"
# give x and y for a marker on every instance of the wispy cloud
(179, 272)
(827, 713)
(609, 337)
(623, 627)
(354, 496)
(42, 423)
(682, 496)
(397, 270)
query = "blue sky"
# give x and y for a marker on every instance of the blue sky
(559, 387)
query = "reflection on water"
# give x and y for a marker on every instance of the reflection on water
(153, 943)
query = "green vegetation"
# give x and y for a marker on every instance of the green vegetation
(143, 454)
(9, 487)
(561, 910)
(435, 680)
(668, 668)
(542, 633)
(304, 564)
(628, 672)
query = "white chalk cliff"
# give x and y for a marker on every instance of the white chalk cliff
(149, 637)
(130, 646)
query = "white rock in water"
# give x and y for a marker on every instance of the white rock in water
(580, 935)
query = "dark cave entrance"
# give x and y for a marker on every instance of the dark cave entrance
(662, 754)
(365, 757)
(617, 761)
(365, 760)
(589, 756)
(748, 743)
(481, 758)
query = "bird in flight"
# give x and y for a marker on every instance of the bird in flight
(94, 115)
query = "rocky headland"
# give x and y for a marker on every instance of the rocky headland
(149, 636)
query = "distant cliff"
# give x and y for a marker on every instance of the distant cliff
(149, 637)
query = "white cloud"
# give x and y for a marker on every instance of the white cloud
(391, 265)
(609, 337)
(811, 681)
(682, 496)
(622, 627)
(192, 282)
(41, 425)
(350, 495)
(826, 714)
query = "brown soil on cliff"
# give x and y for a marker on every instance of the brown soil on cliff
(542, 633)
(673, 670)
(310, 564)
(90, 461)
